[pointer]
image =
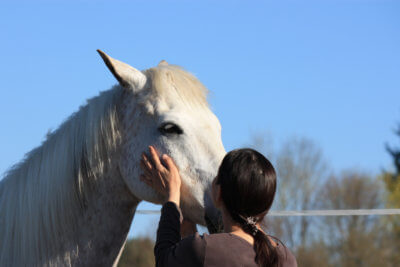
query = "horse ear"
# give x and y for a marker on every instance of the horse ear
(163, 63)
(127, 76)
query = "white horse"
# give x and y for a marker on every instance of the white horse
(71, 201)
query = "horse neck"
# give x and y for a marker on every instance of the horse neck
(105, 224)
(66, 202)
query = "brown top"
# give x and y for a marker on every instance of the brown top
(220, 250)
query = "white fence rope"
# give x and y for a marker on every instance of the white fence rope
(285, 213)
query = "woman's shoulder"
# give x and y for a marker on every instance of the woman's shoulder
(226, 238)
(286, 255)
(225, 243)
(227, 246)
(228, 241)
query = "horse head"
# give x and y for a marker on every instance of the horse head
(167, 107)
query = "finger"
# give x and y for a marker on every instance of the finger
(142, 165)
(146, 180)
(145, 176)
(162, 180)
(145, 165)
(155, 158)
(147, 162)
(149, 175)
(148, 183)
(148, 172)
(170, 162)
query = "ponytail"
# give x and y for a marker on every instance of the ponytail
(266, 253)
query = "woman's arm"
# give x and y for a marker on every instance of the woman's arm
(170, 250)
(168, 233)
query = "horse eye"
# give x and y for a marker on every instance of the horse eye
(170, 128)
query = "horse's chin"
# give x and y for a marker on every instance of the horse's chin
(212, 216)
(214, 225)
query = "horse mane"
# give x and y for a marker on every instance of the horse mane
(42, 196)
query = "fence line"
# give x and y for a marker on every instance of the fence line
(285, 213)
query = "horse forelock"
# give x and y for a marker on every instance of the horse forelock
(174, 84)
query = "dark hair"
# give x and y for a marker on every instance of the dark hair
(248, 186)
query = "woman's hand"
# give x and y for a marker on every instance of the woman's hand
(164, 179)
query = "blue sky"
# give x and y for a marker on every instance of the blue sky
(326, 70)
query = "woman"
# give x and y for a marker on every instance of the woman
(243, 190)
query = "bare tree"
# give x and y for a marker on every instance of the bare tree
(353, 240)
(351, 190)
(301, 169)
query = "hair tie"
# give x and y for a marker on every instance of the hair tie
(252, 223)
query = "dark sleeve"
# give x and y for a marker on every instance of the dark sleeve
(170, 250)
